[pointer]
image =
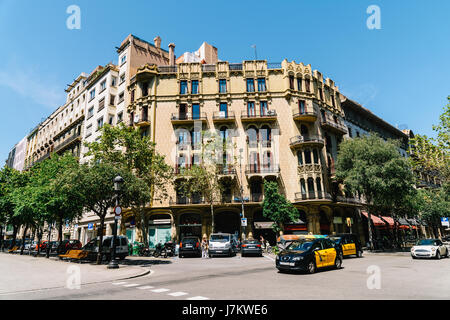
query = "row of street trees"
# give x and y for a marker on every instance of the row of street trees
(59, 189)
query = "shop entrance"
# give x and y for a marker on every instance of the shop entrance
(227, 222)
(159, 230)
(262, 226)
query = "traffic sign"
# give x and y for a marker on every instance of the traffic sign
(445, 222)
(244, 222)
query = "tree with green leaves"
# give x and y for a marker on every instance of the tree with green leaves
(11, 181)
(96, 179)
(277, 208)
(374, 168)
(126, 147)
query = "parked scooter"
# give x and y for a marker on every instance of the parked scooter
(160, 250)
(170, 249)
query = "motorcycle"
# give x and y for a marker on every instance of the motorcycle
(170, 249)
(160, 250)
(144, 251)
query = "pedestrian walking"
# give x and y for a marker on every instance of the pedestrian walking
(204, 248)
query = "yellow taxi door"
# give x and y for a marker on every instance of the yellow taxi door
(330, 252)
(319, 255)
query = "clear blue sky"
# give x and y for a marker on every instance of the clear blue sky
(400, 72)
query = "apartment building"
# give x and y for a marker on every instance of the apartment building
(284, 122)
(16, 157)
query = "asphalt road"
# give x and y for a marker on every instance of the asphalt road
(375, 276)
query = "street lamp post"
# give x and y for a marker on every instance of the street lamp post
(113, 263)
(242, 194)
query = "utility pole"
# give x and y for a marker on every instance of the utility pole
(256, 55)
(242, 194)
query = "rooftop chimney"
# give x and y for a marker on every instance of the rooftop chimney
(171, 54)
(157, 41)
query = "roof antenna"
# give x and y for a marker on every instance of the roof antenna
(256, 55)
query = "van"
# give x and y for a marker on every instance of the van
(121, 247)
(221, 244)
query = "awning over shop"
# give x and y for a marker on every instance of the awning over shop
(404, 224)
(389, 221)
(377, 222)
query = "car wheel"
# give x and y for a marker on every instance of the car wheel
(311, 267)
(180, 255)
(413, 257)
(438, 255)
(338, 262)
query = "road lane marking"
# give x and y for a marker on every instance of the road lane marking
(177, 294)
(145, 287)
(131, 285)
(160, 290)
(198, 298)
(118, 283)
(269, 258)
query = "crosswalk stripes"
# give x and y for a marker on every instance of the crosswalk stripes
(177, 294)
(159, 290)
(198, 298)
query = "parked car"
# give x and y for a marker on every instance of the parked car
(121, 247)
(67, 245)
(429, 248)
(190, 246)
(251, 247)
(348, 243)
(222, 244)
(309, 254)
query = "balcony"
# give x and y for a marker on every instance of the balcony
(167, 69)
(143, 120)
(305, 116)
(312, 196)
(67, 143)
(45, 156)
(223, 117)
(252, 170)
(268, 115)
(309, 168)
(184, 118)
(180, 200)
(256, 143)
(306, 141)
(226, 170)
(333, 126)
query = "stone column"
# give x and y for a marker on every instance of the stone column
(330, 217)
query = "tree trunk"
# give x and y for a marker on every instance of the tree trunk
(39, 241)
(48, 241)
(60, 222)
(100, 237)
(15, 227)
(1, 238)
(369, 218)
(212, 218)
(23, 239)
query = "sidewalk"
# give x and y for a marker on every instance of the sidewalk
(27, 273)
(404, 253)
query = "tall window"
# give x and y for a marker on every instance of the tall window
(92, 94)
(315, 156)
(194, 86)
(299, 84)
(300, 158)
(319, 188)
(311, 188)
(144, 89)
(103, 85)
(308, 85)
(320, 94)
(196, 139)
(195, 111)
(303, 188)
(261, 84)
(223, 109)
(252, 134)
(182, 112)
(301, 106)
(266, 135)
(263, 107)
(308, 156)
(251, 111)
(183, 87)
(222, 85)
(99, 123)
(250, 85)
(291, 82)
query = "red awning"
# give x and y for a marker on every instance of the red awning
(389, 221)
(377, 222)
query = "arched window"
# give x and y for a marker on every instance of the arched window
(224, 134)
(196, 139)
(266, 135)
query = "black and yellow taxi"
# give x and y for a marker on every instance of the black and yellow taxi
(348, 243)
(309, 253)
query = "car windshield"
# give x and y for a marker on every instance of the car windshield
(301, 245)
(219, 238)
(426, 242)
(336, 239)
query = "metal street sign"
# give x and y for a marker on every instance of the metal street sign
(244, 222)
(117, 212)
(445, 222)
(90, 226)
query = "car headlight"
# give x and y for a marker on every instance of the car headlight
(297, 258)
(433, 249)
(412, 249)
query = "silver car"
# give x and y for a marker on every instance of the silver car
(429, 248)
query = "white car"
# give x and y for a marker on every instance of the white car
(429, 248)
